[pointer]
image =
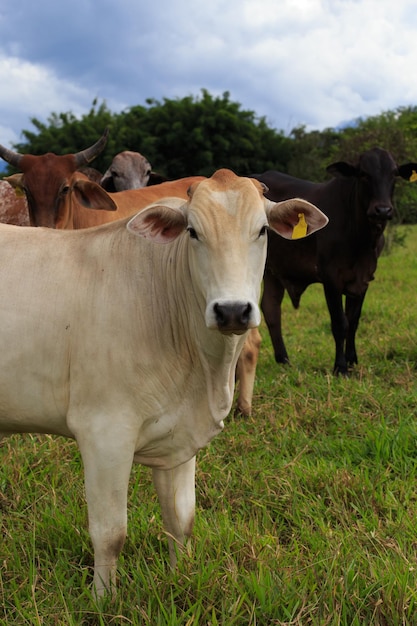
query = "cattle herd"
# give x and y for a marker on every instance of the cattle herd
(130, 314)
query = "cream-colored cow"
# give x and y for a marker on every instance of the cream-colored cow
(86, 204)
(130, 346)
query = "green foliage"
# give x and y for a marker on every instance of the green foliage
(396, 132)
(310, 152)
(180, 137)
(65, 134)
(197, 135)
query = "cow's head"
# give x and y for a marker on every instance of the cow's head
(224, 228)
(45, 179)
(128, 170)
(375, 172)
(85, 193)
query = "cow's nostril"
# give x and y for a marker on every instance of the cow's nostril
(233, 316)
(383, 211)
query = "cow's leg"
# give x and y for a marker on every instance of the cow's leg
(107, 462)
(176, 494)
(353, 313)
(246, 370)
(272, 297)
(339, 326)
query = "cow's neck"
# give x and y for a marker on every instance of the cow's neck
(219, 368)
(216, 352)
(365, 233)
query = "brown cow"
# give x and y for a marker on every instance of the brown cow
(87, 204)
(45, 178)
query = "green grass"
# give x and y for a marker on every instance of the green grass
(306, 512)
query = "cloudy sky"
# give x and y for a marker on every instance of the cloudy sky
(319, 63)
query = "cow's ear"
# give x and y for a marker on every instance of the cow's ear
(159, 223)
(16, 181)
(408, 171)
(155, 178)
(92, 196)
(341, 169)
(107, 182)
(286, 217)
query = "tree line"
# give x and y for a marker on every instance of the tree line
(199, 134)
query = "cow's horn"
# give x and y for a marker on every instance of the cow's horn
(11, 157)
(87, 155)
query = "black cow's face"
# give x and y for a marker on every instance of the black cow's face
(375, 172)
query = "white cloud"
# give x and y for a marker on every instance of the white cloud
(32, 91)
(312, 62)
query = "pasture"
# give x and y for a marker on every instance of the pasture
(306, 512)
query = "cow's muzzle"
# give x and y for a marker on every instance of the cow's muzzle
(234, 317)
(381, 214)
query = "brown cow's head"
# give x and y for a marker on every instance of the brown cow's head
(376, 172)
(45, 179)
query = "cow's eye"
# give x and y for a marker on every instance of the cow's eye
(263, 230)
(192, 232)
(65, 190)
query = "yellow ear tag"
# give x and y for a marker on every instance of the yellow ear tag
(300, 229)
(413, 177)
(19, 192)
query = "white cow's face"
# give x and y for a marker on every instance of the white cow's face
(228, 237)
(226, 220)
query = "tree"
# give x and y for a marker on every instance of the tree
(65, 134)
(310, 152)
(395, 131)
(188, 136)
(197, 135)
(180, 137)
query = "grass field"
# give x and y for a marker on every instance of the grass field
(306, 512)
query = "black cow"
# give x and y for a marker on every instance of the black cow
(343, 256)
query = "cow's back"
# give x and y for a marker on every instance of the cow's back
(35, 319)
(58, 299)
(332, 249)
(332, 196)
(295, 261)
(131, 201)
